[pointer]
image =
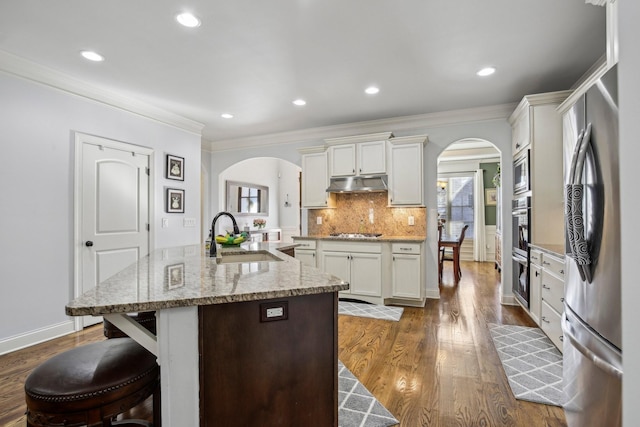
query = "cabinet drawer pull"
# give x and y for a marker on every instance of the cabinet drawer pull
(546, 287)
(546, 263)
(562, 271)
(561, 299)
(561, 337)
(537, 274)
(406, 249)
(544, 319)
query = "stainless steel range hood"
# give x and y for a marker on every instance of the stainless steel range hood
(358, 184)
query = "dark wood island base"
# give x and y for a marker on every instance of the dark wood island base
(270, 363)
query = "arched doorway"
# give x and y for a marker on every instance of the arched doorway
(467, 177)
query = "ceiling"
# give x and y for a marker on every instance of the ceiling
(253, 58)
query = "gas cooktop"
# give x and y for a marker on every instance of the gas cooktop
(355, 235)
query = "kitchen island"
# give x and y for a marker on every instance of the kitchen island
(247, 338)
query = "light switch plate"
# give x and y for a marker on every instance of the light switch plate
(188, 222)
(165, 222)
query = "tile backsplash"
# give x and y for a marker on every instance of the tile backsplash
(351, 215)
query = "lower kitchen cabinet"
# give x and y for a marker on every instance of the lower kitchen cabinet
(535, 287)
(360, 264)
(306, 252)
(547, 293)
(406, 271)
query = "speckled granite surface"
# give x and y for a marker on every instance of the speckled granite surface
(553, 249)
(184, 276)
(383, 238)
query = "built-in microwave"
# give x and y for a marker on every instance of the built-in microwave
(521, 173)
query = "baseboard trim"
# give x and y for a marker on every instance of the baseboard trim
(35, 337)
(432, 294)
(509, 300)
(405, 302)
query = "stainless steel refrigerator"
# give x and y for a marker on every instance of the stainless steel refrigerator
(592, 359)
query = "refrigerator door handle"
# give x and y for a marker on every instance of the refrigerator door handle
(597, 361)
(573, 199)
(580, 246)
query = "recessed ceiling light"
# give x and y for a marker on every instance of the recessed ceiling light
(188, 20)
(486, 71)
(92, 56)
(226, 116)
(300, 102)
(372, 90)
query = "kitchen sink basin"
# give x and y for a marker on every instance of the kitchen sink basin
(257, 256)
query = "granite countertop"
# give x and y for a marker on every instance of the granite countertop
(186, 276)
(383, 238)
(553, 249)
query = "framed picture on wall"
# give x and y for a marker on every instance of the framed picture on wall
(175, 200)
(490, 197)
(175, 167)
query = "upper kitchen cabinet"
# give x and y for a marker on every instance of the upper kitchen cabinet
(315, 179)
(538, 164)
(405, 170)
(358, 155)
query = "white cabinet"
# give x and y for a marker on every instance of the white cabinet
(315, 179)
(537, 127)
(406, 271)
(358, 155)
(306, 252)
(535, 285)
(550, 300)
(405, 171)
(359, 263)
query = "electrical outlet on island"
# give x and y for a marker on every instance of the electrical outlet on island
(319, 220)
(412, 220)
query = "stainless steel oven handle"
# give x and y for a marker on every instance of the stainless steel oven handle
(597, 361)
(523, 211)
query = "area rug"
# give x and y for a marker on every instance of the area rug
(532, 363)
(374, 311)
(356, 405)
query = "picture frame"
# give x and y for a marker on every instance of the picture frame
(174, 275)
(491, 196)
(175, 200)
(175, 167)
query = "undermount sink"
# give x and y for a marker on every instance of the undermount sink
(258, 256)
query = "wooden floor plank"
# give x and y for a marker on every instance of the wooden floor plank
(436, 367)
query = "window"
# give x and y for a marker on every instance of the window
(455, 203)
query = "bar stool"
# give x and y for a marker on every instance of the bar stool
(92, 384)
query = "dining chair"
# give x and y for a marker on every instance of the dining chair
(452, 255)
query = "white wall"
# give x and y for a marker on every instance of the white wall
(629, 103)
(280, 176)
(36, 213)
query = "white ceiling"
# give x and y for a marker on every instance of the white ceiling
(252, 58)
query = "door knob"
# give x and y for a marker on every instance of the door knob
(88, 243)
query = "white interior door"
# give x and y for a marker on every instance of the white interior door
(114, 194)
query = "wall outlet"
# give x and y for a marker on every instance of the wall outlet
(412, 220)
(319, 220)
(165, 222)
(188, 222)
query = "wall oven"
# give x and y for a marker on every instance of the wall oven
(521, 217)
(521, 173)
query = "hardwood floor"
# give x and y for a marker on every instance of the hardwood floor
(435, 367)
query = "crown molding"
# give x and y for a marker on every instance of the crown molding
(23, 68)
(405, 123)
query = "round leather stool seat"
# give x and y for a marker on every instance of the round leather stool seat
(90, 385)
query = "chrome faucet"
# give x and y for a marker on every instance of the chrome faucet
(236, 230)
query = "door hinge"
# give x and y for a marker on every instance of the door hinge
(147, 170)
(148, 227)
